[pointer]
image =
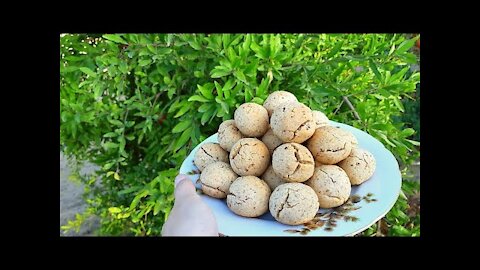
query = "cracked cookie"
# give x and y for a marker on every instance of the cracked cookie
(251, 119)
(216, 179)
(359, 166)
(276, 99)
(228, 134)
(293, 203)
(249, 156)
(349, 136)
(331, 184)
(320, 119)
(209, 153)
(271, 141)
(248, 196)
(328, 145)
(292, 122)
(293, 162)
(271, 178)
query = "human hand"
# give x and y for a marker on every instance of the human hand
(190, 216)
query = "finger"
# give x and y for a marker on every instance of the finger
(183, 187)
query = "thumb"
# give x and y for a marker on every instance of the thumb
(183, 187)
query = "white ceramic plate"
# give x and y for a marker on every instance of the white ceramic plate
(384, 188)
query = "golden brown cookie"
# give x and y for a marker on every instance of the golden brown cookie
(272, 179)
(293, 203)
(228, 134)
(276, 99)
(320, 119)
(293, 162)
(359, 166)
(249, 156)
(331, 184)
(271, 141)
(251, 119)
(209, 153)
(328, 145)
(216, 179)
(292, 122)
(248, 196)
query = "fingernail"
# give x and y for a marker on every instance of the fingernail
(179, 178)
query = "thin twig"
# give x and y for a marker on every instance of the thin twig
(379, 228)
(355, 113)
(338, 108)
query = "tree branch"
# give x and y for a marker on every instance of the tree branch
(355, 113)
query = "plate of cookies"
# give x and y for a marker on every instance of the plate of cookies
(282, 169)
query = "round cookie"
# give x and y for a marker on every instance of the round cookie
(328, 145)
(349, 136)
(249, 156)
(276, 99)
(251, 119)
(271, 141)
(359, 166)
(292, 122)
(248, 196)
(293, 203)
(331, 184)
(216, 179)
(271, 178)
(228, 134)
(209, 153)
(320, 119)
(293, 162)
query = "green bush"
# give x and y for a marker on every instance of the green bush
(137, 104)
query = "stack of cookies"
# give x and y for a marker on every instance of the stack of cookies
(284, 158)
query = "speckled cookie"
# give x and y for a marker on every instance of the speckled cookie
(271, 141)
(293, 162)
(328, 145)
(292, 122)
(249, 156)
(248, 196)
(228, 134)
(251, 119)
(349, 135)
(320, 119)
(359, 166)
(216, 179)
(276, 99)
(331, 184)
(271, 178)
(293, 203)
(209, 153)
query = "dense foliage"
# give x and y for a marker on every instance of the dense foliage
(136, 104)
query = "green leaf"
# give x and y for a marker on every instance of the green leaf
(406, 45)
(145, 62)
(407, 132)
(257, 100)
(137, 198)
(110, 135)
(156, 209)
(207, 115)
(398, 103)
(116, 176)
(111, 145)
(110, 173)
(335, 49)
(116, 122)
(206, 90)
(197, 98)
(373, 66)
(151, 49)
(115, 38)
(181, 126)
(222, 104)
(219, 72)
(399, 75)
(183, 139)
(219, 90)
(114, 210)
(413, 142)
(129, 190)
(204, 107)
(410, 58)
(239, 74)
(88, 71)
(182, 111)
